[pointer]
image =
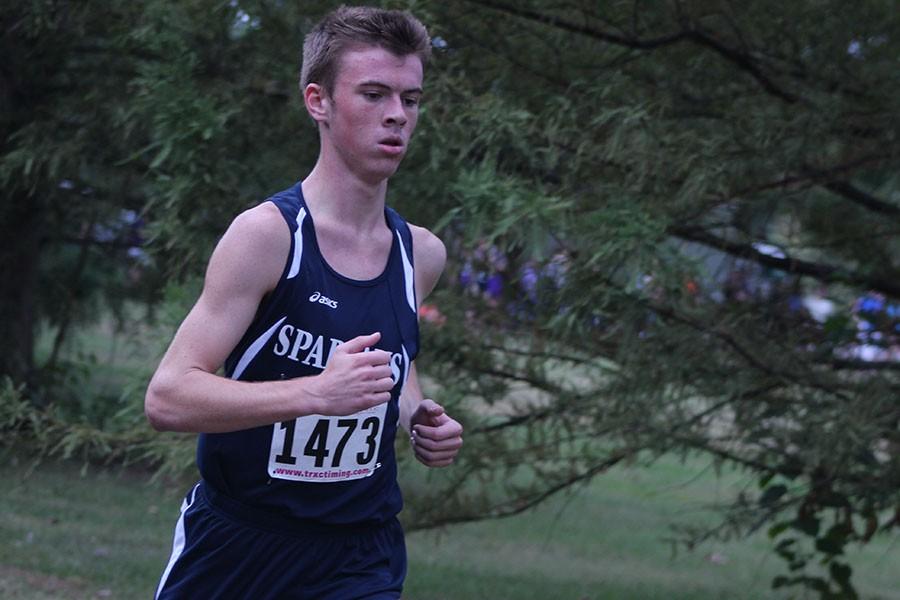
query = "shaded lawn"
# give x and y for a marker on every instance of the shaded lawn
(107, 534)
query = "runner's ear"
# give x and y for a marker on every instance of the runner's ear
(317, 102)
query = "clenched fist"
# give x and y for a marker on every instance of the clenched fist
(353, 379)
(436, 438)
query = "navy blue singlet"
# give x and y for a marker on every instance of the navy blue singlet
(317, 469)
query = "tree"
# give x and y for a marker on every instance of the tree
(119, 128)
(65, 235)
(666, 184)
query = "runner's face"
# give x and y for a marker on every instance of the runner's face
(374, 109)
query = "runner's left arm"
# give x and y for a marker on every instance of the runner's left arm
(435, 436)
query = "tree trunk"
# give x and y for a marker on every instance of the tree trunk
(19, 261)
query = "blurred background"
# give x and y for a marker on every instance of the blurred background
(670, 320)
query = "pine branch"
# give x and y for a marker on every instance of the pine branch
(868, 201)
(558, 23)
(742, 61)
(116, 243)
(525, 66)
(823, 272)
(580, 360)
(521, 504)
(864, 365)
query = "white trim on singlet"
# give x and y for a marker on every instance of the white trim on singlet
(405, 367)
(408, 276)
(298, 245)
(178, 542)
(254, 348)
(405, 375)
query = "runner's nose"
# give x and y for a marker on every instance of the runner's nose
(394, 112)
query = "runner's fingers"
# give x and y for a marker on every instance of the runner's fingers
(359, 343)
(376, 398)
(434, 463)
(374, 357)
(379, 372)
(435, 456)
(432, 408)
(454, 443)
(448, 430)
(384, 384)
(439, 419)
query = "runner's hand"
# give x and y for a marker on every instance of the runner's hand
(436, 438)
(353, 379)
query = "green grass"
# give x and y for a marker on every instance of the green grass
(608, 541)
(103, 533)
(108, 534)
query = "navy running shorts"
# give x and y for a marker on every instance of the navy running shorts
(220, 553)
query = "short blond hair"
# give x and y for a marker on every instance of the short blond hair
(349, 26)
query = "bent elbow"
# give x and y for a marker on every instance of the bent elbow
(158, 408)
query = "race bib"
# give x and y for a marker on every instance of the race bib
(322, 449)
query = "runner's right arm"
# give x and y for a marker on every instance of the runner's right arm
(186, 394)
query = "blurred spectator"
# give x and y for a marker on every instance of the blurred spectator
(817, 305)
(483, 273)
(877, 328)
(431, 314)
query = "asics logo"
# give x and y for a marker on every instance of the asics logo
(318, 297)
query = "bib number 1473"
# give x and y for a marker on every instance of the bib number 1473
(322, 449)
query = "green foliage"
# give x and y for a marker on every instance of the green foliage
(639, 161)
(125, 438)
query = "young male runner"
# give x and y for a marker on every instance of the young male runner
(310, 302)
